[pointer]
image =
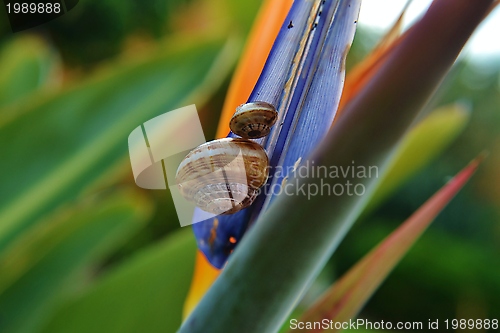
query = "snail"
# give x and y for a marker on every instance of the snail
(223, 176)
(253, 120)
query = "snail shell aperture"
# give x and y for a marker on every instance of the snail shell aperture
(253, 120)
(223, 176)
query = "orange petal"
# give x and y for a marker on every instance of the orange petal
(203, 277)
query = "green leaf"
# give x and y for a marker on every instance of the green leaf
(345, 298)
(289, 244)
(27, 64)
(46, 260)
(144, 295)
(441, 275)
(67, 141)
(423, 143)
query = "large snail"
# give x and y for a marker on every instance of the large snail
(223, 176)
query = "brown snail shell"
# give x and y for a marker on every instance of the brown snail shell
(223, 176)
(253, 120)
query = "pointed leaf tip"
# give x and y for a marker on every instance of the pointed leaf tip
(346, 297)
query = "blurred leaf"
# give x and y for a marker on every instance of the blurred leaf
(244, 12)
(144, 295)
(474, 272)
(346, 297)
(105, 24)
(27, 63)
(294, 315)
(45, 261)
(276, 261)
(422, 144)
(67, 141)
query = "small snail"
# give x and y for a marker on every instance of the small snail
(223, 176)
(253, 120)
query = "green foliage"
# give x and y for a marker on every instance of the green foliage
(47, 260)
(423, 143)
(62, 146)
(112, 22)
(26, 65)
(71, 144)
(145, 294)
(81, 132)
(343, 301)
(450, 270)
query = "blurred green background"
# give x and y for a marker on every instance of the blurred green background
(82, 249)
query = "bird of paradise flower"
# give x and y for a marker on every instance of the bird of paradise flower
(303, 77)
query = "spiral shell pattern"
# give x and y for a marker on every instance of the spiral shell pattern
(223, 176)
(253, 120)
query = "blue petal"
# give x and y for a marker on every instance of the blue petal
(303, 78)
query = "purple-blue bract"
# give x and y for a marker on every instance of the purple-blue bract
(306, 107)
